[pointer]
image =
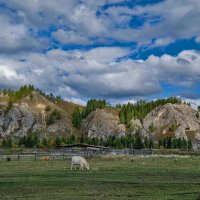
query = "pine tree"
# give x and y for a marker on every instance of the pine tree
(138, 141)
(10, 104)
(77, 118)
(146, 142)
(160, 144)
(185, 144)
(174, 143)
(44, 142)
(29, 142)
(151, 144)
(169, 142)
(179, 143)
(189, 145)
(8, 143)
(164, 142)
(3, 143)
(82, 139)
(122, 117)
(58, 141)
(72, 139)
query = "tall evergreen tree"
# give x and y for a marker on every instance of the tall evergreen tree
(77, 118)
(58, 141)
(189, 145)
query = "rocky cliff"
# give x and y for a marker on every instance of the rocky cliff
(32, 113)
(175, 120)
(102, 123)
(38, 113)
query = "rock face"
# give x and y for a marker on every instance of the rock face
(18, 121)
(30, 116)
(176, 120)
(137, 125)
(103, 123)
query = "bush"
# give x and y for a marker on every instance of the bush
(173, 127)
(10, 104)
(48, 108)
(152, 128)
(8, 159)
(7, 143)
(55, 115)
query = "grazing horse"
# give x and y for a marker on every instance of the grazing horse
(79, 160)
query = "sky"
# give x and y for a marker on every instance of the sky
(119, 50)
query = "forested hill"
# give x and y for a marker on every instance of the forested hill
(126, 111)
(140, 109)
(30, 111)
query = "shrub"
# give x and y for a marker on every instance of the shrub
(55, 115)
(10, 104)
(152, 128)
(48, 108)
(173, 127)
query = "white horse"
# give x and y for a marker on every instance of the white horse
(79, 160)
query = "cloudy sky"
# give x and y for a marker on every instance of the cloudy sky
(115, 49)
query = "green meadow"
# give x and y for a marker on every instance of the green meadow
(120, 177)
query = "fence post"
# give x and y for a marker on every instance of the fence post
(86, 152)
(35, 156)
(18, 156)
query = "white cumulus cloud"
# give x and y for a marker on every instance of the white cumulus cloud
(104, 72)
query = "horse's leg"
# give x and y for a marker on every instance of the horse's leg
(71, 166)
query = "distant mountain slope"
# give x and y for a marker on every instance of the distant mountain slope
(49, 116)
(170, 120)
(35, 113)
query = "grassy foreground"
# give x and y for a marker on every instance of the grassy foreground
(109, 178)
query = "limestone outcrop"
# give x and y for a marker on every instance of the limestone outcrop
(176, 120)
(103, 123)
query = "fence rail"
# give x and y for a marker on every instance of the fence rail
(132, 151)
(67, 154)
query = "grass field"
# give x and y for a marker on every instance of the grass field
(109, 178)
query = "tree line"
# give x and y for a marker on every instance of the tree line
(23, 91)
(128, 141)
(51, 96)
(17, 95)
(175, 143)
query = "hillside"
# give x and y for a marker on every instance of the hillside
(173, 120)
(29, 111)
(35, 113)
(103, 123)
(166, 121)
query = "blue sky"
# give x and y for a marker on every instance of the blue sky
(121, 50)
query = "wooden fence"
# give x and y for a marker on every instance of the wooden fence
(67, 154)
(131, 151)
